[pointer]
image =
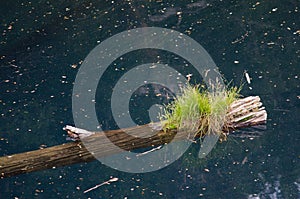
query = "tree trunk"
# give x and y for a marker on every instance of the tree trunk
(242, 113)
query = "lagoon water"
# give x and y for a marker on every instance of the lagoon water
(43, 46)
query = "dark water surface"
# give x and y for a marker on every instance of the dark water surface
(43, 44)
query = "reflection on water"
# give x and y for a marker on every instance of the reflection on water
(44, 42)
(190, 8)
(270, 189)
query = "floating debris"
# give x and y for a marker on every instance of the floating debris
(247, 76)
(103, 183)
(146, 152)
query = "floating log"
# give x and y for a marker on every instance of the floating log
(242, 113)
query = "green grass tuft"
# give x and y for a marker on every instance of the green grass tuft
(199, 111)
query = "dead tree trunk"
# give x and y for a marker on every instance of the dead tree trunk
(242, 113)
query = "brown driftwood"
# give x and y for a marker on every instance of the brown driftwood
(242, 113)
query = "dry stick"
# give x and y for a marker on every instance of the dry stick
(151, 150)
(103, 183)
(242, 113)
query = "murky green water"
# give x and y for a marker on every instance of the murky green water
(43, 44)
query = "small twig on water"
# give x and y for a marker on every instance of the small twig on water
(103, 183)
(146, 152)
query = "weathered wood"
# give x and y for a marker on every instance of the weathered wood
(75, 152)
(242, 113)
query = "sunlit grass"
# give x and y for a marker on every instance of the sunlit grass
(198, 111)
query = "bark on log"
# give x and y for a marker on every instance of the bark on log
(242, 113)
